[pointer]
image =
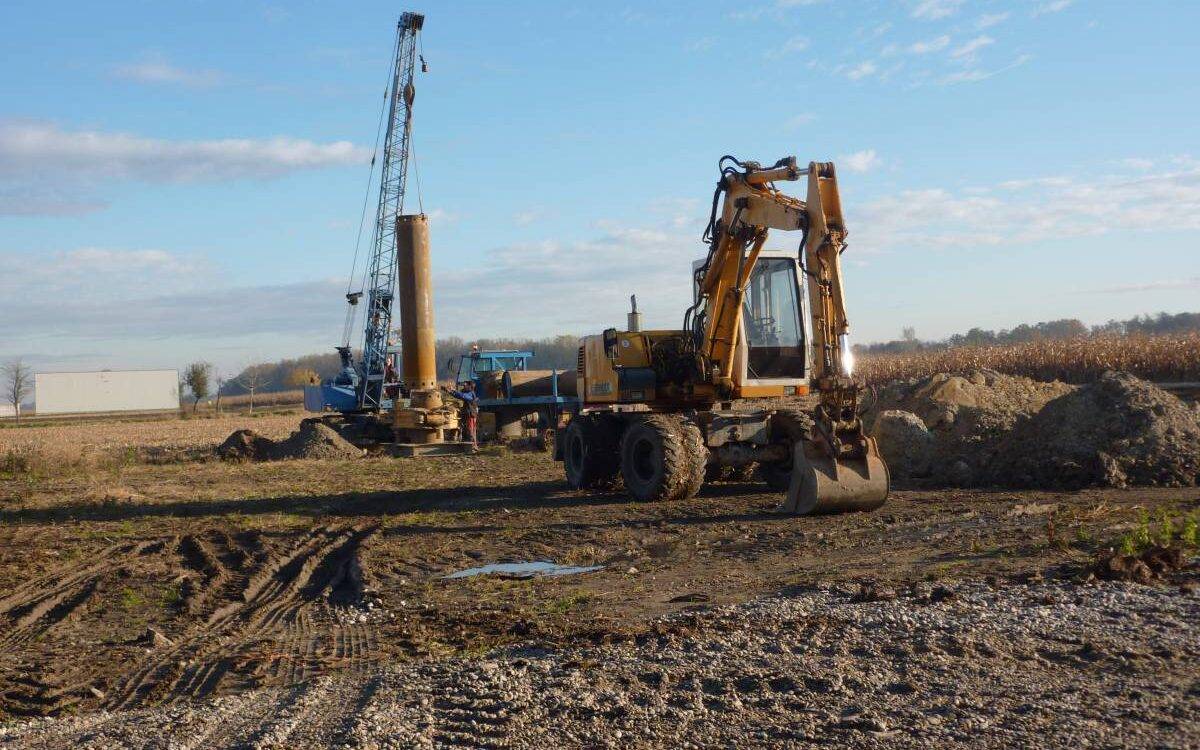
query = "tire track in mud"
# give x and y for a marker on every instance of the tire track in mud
(270, 634)
(38, 605)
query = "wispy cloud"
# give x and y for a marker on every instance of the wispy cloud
(1038, 209)
(972, 75)
(932, 10)
(988, 20)
(156, 69)
(790, 47)
(42, 148)
(45, 169)
(801, 120)
(1054, 6)
(936, 44)
(968, 50)
(861, 161)
(862, 70)
(1151, 286)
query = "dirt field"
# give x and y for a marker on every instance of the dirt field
(156, 584)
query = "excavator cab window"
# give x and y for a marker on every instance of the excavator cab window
(771, 316)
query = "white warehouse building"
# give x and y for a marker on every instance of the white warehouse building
(108, 390)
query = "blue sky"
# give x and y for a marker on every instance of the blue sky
(184, 180)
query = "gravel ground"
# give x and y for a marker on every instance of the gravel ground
(1042, 664)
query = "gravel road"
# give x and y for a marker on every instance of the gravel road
(1039, 664)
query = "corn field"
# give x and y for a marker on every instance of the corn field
(1174, 358)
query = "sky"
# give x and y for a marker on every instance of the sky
(184, 181)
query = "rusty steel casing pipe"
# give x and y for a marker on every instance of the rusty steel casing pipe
(417, 336)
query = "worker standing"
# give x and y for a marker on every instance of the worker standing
(470, 409)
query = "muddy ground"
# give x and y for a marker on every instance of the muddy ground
(159, 584)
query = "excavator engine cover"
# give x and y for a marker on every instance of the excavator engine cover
(821, 483)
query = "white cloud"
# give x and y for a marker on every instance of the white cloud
(1031, 210)
(527, 217)
(1139, 164)
(861, 161)
(932, 10)
(972, 75)
(967, 50)
(801, 120)
(930, 45)
(1152, 286)
(790, 47)
(862, 70)
(1051, 7)
(41, 149)
(157, 70)
(45, 201)
(988, 20)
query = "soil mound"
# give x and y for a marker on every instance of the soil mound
(990, 428)
(313, 440)
(316, 440)
(965, 418)
(246, 445)
(1118, 431)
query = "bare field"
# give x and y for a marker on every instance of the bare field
(159, 583)
(111, 435)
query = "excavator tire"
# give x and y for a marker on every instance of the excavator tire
(787, 427)
(655, 461)
(697, 451)
(591, 453)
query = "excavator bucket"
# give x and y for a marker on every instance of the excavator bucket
(822, 483)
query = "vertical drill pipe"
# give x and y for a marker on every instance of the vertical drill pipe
(416, 302)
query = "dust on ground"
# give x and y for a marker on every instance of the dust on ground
(987, 428)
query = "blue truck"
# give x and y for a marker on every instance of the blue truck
(510, 390)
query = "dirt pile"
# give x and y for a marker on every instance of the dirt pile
(987, 428)
(1118, 431)
(1153, 563)
(948, 428)
(313, 440)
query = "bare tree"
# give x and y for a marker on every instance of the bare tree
(253, 378)
(220, 380)
(196, 377)
(18, 379)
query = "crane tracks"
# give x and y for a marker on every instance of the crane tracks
(270, 621)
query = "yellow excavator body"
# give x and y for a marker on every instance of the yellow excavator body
(662, 410)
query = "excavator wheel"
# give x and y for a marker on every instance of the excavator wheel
(591, 453)
(697, 451)
(656, 462)
(787, 427)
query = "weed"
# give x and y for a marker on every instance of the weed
(1187, 532)
(171, 596)
(565, 604)
(131, 599)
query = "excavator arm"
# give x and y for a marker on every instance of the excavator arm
(838, 467)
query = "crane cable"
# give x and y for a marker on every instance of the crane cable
(352, 309)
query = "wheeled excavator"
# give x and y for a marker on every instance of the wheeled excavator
(661, 410)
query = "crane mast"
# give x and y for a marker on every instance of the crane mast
(380, 285)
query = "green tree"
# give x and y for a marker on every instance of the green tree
(196, 378)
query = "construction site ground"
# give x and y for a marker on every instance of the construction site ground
(145, 601)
